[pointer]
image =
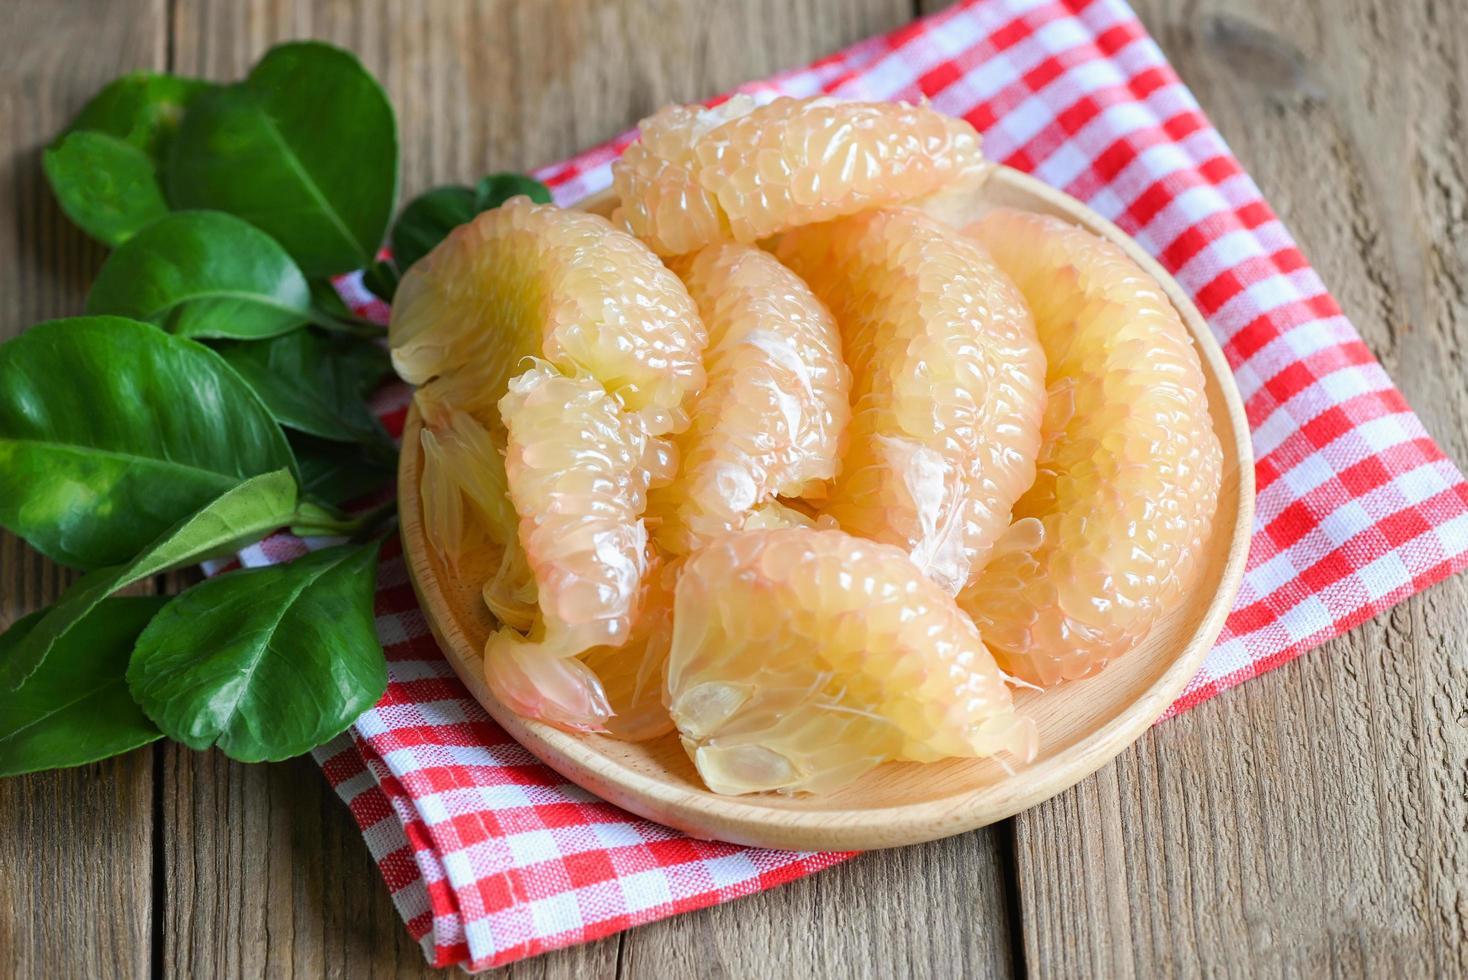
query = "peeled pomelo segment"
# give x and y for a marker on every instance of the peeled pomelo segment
(744, 171)
(532, 280)
(948, 385)
(656, 180)
(1129, 472)
(558, 690)
(769, 421)
(783, 513)
(443, 503)
(575, 464)
(802, 658)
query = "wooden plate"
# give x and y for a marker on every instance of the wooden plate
(1082, 725)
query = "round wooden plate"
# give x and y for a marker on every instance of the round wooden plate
(1082, 725)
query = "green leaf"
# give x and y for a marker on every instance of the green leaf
(315, 384)
(430, 216)
(496, 189)
(381, 278)
(265, 663)
(143, 108)
(204, 274)
(112, 430)
(333, 473)
(105, 185)
(305, 148)
(76, 709)
(238, 516)
(104, 168)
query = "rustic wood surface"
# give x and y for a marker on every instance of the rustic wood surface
(1313, 821)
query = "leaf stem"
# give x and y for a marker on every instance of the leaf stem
(354, 326)
(311, 520)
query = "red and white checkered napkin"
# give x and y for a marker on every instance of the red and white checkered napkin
(492, 857)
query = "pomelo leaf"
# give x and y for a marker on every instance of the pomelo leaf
(112, 430)
(265, 663)
(204, 274)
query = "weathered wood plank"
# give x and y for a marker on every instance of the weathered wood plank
(497, 84)
(75, 856)
(1310, 822)
(933, 911)
(266, 875)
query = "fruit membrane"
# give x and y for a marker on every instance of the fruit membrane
(769, 421)
(802, 658)
(534, 280)
(465, 494)
(745, 171)
(1129, 471)
(632, 674)
(948, 385)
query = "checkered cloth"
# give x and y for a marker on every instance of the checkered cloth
(492, 857)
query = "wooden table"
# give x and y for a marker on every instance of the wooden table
(1312, 821)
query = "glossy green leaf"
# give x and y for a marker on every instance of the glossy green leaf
(106, 185)
(104, 168)
(326, 299)
(238, 516)
(315, 383)
(265, 663)
(204, 274)
(381, 279)
(143, 108)
(111, 431)
(333, 473)
(305, 148)
(76, 709)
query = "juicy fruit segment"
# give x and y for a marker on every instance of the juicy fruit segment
(531, 280)
(656, 179)
(948, 385)
(617, 348)
(1129, 472)
(743, 171)
(770, 420)
(577, 475)
(802, 658)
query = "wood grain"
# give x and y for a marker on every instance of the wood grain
(266, 875)
(76, 851)
(926, 912)
(1311, 821)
